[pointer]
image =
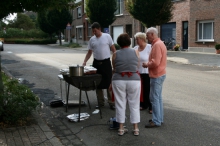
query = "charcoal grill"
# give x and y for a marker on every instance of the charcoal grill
(83, 83)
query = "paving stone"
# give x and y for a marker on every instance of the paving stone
(77, 142)
(62, 127)
(65, 141)
(2, 138)
(67, 132)
(17, 137)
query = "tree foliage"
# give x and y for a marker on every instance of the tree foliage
(54, 20)
(101, 11)
(43, 23)
(150, 12)
(14, 6)
(22, 22)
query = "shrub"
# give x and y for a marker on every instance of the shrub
(72, 45)
(30, 41)
(17, 102)
(217, 46)
(18, 33)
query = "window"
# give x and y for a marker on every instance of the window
(79, 12)
(89, 30)
(73, 15)
(120, 7)
(205, 30)
(79, 32)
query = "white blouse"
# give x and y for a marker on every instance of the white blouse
(144, 57)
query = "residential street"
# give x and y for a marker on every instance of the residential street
(191, 98)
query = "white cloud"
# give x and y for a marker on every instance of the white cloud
(9, 17)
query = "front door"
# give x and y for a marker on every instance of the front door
(117, 30)
(168, 34)
(185, 35)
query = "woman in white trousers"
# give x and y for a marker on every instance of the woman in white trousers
(126, 84)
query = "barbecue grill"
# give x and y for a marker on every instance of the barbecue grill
(83, 83)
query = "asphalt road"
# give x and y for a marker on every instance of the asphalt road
(191, 100)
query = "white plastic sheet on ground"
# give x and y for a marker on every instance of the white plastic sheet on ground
(74, 117)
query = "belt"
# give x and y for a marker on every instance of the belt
(107, 59)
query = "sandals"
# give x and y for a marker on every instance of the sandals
(122, 131)
(136, 132)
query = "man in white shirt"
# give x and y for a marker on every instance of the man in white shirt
(100, 45)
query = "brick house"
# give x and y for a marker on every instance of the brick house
(176, 31)
(204, 25)
(81, 28)
(195, 25)
(124, 23)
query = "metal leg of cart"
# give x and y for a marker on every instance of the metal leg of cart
(100, 111)
(67, 96)
(88, 99)
(80, 93)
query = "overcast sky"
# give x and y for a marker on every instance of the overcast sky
(10, 17)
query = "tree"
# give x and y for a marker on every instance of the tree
(43, 23)
(14, 6)
(101, 11)
(150, 12)
(1, 83)
(58, 20)
(23, 22)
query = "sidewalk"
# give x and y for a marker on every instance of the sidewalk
(194, 58)
(185, 57)
(36, 134)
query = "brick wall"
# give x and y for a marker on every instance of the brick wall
(180, 14)
(204, 10)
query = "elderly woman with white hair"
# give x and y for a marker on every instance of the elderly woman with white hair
(144, 50)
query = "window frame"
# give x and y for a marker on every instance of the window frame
(89, 30)
(120, 7)
(79, 16)
(198, 31)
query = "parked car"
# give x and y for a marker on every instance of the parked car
(1, 46)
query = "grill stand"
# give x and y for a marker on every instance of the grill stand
(80, 93)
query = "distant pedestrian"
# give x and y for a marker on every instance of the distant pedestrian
(157, 72)
(100, 46)
(144, 51)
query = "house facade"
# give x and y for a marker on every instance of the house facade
(124, 23)
(204, 25)
(176, 31)
(81, 30)
(194, 26)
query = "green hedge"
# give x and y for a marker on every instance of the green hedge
(30, 41)
(16, 102)
(217, 46)
(18, 33)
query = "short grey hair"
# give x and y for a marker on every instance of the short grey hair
(140, 35)
(152, 30)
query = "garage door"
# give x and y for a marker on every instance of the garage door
(117, 30)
